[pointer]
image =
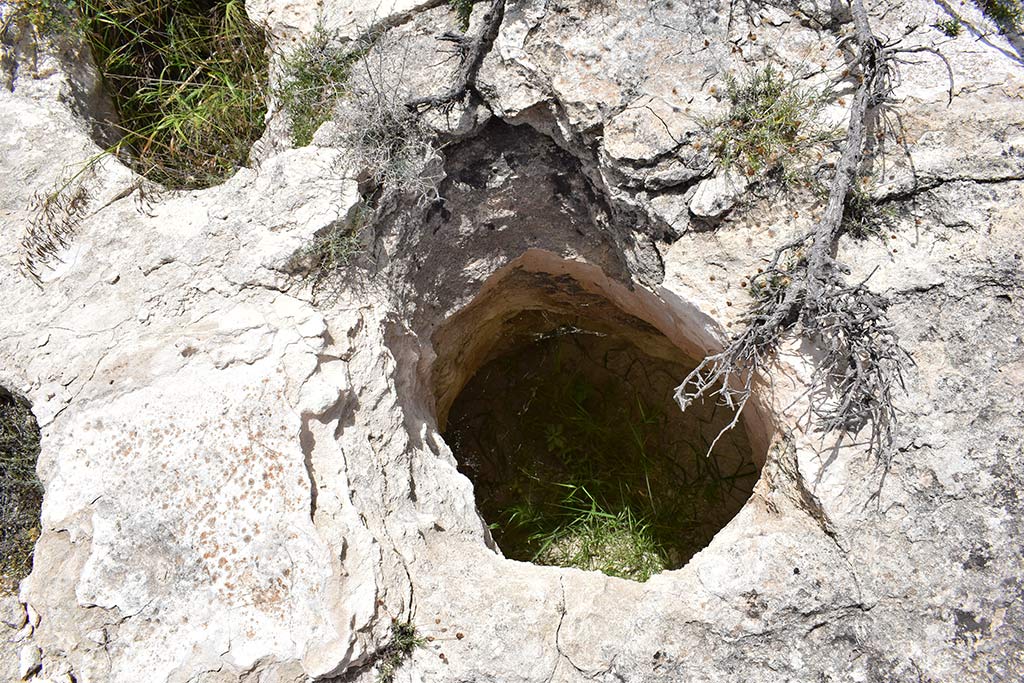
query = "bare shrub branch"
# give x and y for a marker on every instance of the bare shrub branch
(472, 50)
(387, 139)
(803, 289)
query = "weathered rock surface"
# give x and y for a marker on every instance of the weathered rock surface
(247, 483)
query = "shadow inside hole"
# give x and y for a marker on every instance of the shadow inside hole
(580, 457)
(21, 493)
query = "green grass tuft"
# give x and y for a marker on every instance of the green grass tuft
(21, 493)
(463, 10)
(1008, 15)
(770, 123)
(951, 27)
(593, 538)
(329, 254)
(313, 78)
(404, 640)
(863, 218)
(188, 79)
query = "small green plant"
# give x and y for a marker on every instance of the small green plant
(863, 218)
(404, 640)
(463, 10)
(48, 17)
(771, 288)
(313, 78)
(330, 253)
(951, 27)
(20, 490)
(336, 248)
(771, 122)
(1008, 15)
(188, 80)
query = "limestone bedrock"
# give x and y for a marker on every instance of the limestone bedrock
(245, 482)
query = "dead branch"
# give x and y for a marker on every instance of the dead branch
(472, 50)
(803, 288)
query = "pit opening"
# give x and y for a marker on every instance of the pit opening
(21, 493)
(557, 403)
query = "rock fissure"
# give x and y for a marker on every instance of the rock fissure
(935, 183)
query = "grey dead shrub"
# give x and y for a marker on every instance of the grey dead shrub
(387, 140)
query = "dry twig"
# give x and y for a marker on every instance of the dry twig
(804, 288)
(472, 50)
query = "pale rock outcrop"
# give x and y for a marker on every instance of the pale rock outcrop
(247, 483)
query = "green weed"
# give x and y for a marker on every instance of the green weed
(463, 9)
(327, 261)
(591, 537)
(313, 78)
(404, 640)
(20, 490)
(863, 218)
(770, 123)
(951, 27)
(48, 17)
(1008, 15)
(339, 246)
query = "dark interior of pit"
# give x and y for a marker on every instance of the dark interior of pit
(21, 494)
(578, 454)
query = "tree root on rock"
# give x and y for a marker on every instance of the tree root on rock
(472, 50)
(804, 289)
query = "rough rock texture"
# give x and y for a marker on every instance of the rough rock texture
(244, 483)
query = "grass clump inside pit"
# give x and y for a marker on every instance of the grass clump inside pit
(578, 458)
(187, 78)
(21, 493)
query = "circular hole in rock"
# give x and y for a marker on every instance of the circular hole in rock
(566, 424)
(21, 493)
